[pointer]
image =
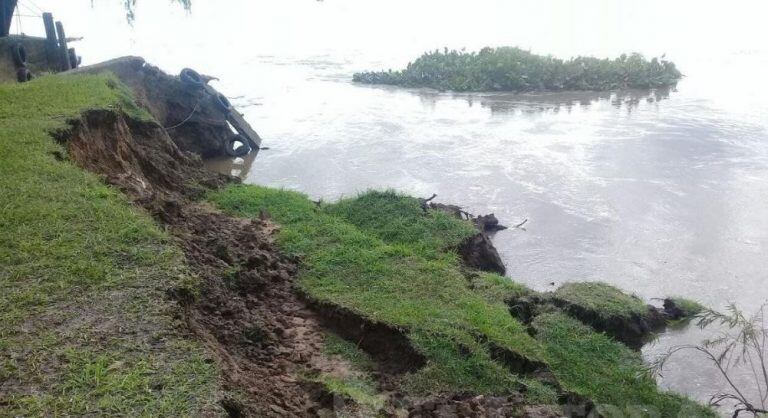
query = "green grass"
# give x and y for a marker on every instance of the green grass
(83, 274)
(337, 346)
(611, 374)
(602, 298)
(400, 221)
(397, 276)
(515, 69)
(380, 255)
(497, 289)
(689, 307)
(356, 383)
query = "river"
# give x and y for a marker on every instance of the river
(658, 192)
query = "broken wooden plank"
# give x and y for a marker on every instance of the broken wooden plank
(237, 120)
(244, 128)
(51, 42)
(63, 49)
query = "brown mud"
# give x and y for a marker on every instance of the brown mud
(247, 309)
(387, 345)
(466, 405)
(634, 330)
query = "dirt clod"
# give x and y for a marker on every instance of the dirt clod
(478, 252)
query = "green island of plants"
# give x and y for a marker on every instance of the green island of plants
(518, 70)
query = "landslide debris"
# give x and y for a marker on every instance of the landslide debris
(247, 309)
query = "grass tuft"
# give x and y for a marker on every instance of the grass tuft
(602, 298)
(689, 307)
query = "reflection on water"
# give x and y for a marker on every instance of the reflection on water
(504, 103)
(545, 102)
(237, 167)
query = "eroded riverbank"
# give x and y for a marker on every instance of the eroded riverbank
(278, 275)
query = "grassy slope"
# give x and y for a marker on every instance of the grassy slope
(612, 374)
(85, 326)
(381, 256)
(410, 286)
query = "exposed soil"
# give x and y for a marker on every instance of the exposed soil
(634, 330)
(387, 345)
(248, 310)
(674, 312)
(477, 251)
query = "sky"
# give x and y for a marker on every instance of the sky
(163, 31)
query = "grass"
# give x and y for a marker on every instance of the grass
(602, 298)
(611, 374)
(85, 325)
(400, 221)
(390, 272)
(497, 289)
(380, 255)
(337, 346)
(362, 391)
(689, 307)
(357, 383)
(515, 69)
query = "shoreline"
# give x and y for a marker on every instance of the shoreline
(280, 274)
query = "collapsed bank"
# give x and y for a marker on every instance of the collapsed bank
(136, 282)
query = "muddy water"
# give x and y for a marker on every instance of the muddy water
(658, 192)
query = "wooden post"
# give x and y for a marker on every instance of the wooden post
(63, 49)
(51, 43)
(6, 16)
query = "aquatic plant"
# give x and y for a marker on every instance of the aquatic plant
(515, 69)
(744, 343)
